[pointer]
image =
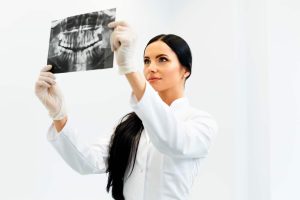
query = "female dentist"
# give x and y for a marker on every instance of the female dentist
(154, 153)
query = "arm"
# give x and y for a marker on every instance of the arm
(137, 83)
(83, 158)
(122, 42)
(59, 124)
(169, 132)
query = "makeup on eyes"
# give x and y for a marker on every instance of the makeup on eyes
(160, 58)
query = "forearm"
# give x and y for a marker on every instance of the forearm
(83, 157)
(59, 124)
(137, 83)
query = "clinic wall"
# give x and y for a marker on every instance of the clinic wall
(32, 169)
(252, 136)
(284, 103)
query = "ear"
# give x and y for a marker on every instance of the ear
(186, 74)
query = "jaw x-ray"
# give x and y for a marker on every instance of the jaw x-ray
(81, 42)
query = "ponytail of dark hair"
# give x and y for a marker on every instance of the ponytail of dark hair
(122, 152)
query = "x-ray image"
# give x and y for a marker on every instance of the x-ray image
(81, 42)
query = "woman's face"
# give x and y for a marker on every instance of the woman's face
(162, 68)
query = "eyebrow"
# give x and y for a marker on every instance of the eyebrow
(159, 55)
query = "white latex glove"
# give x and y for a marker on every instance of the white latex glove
(49, 94)
(123, 41)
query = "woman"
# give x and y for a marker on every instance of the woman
(154, 152)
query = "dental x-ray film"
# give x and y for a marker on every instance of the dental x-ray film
(81, 42)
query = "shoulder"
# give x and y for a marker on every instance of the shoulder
(198, 116)
(195, 112)
(186, 111)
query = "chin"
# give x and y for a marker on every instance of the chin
(157, 88)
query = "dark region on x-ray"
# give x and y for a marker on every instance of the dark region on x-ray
(81, 42)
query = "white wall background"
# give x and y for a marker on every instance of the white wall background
(284, 103)
(245, 72)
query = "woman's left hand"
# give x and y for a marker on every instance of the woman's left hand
(123, 41)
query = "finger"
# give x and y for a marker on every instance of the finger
(123, 36)
(111, 25)
(47, 79)
(121, 28)
(46, 68)
(115, 42)
(48, 74)
(42, 84)
(111, 42)
(117, 23)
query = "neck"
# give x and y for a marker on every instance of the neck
(169, 95)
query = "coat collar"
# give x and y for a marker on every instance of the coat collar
(182, 101)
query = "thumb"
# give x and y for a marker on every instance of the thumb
(117, 23)
(114, 41)
(46, 68)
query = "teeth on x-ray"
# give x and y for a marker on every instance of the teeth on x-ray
(81, 42)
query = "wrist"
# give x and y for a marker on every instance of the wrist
(126, 69)
(60, 114)
(137, 83)
(59, 124)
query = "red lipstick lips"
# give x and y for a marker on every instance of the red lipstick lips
(153, 78)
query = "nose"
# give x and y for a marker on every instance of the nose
(152, 67)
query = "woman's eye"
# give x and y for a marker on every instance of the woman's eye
(162, 59)
(146, 61)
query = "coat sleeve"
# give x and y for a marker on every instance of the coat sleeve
(83, 158)
(171, 135)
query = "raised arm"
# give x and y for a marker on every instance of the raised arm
(80, 156)
(84, 158)
(178, 132)
(123, 41)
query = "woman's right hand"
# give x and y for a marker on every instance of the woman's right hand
(49, 94)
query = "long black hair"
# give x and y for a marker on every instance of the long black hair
(125, 140)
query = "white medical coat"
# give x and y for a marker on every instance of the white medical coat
(174, 143)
